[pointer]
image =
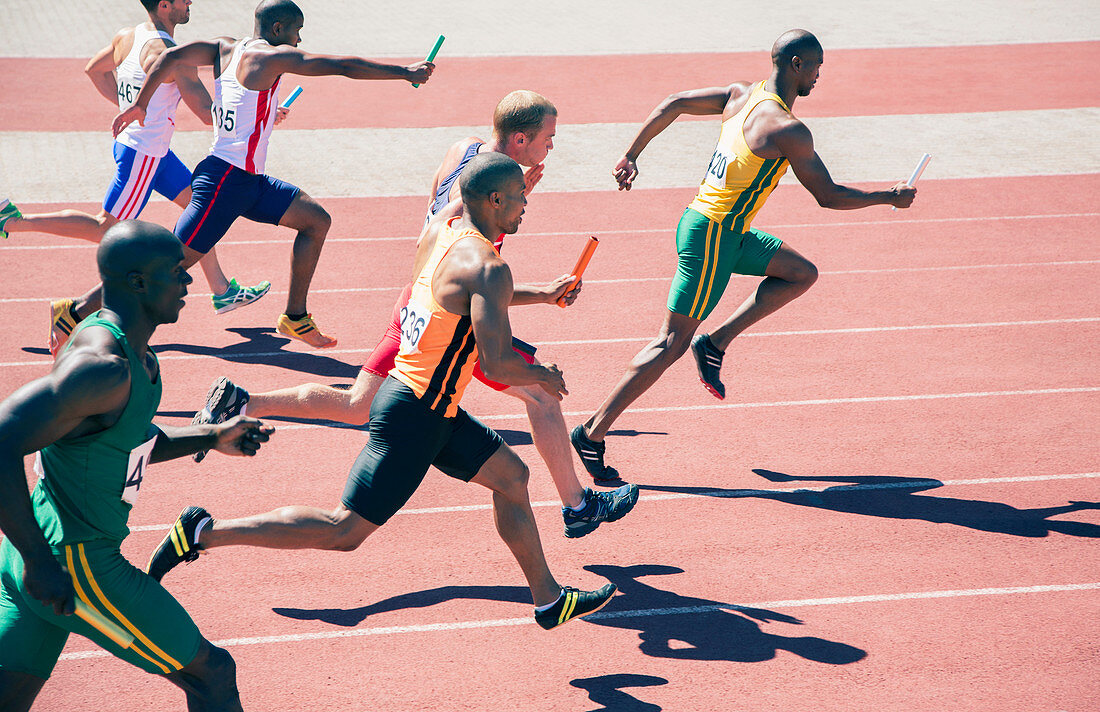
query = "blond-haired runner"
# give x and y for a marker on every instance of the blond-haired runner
(143, 160)
(524, 124)
(760, 137)
(457, 315)
(230, 182)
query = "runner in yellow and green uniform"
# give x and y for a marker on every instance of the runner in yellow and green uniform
(760, 138)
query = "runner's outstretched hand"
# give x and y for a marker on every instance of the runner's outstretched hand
(242, 436)
(626, 170)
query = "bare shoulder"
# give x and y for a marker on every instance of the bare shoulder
(738, 93)
(457, 151)
(121, 44)
(93, 367)
(739, 89)
(491, 275)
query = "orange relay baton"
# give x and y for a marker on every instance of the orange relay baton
(105, 626)
(578, 270)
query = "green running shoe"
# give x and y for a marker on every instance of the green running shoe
(237, 296)
(7, 212)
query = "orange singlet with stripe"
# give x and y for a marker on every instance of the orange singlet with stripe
(438, 352)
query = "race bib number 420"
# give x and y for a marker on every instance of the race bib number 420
(716, 171)
(135, 469)
(414, 319)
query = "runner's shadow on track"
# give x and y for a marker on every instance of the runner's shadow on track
(687, 628)
(265, 346)
(606, 690)
(898, 498)
(39, 350)
(669, 625)
(351, 617)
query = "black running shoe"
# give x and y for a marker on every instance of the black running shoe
(599, 507)
(225, 400)
(708, 359)
(573, 603)
(591, 454)
(179, 546)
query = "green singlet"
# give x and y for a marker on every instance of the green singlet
(86, 488)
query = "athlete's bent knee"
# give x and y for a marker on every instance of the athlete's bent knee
(349, 530)
(211, 677)
(805, 273)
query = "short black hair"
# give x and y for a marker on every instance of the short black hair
(150, 5)
(794, 43)
(486, 173)
(268, 12)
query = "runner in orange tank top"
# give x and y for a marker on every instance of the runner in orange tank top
(460, 314)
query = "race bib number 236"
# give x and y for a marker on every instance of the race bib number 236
(414, 319)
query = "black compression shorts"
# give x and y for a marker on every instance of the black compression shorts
(405, 439)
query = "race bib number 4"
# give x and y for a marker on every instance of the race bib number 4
(414, 319)
(135, 469)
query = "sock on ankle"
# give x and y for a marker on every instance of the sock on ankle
(297, 317)
(198, 529)
(548, 606)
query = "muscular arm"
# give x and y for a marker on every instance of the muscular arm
(192, 54)
(192, 90)
(194, 94)
(523, 294)
(796, 143)
(101, 69)
(36, 415)
(698, 102)
(259, 70)
(238, 436)
(490, 294)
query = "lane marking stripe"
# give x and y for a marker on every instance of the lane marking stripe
(636, 613)
(649, 496)
(630, 280)
(631, 339)
(622, 231)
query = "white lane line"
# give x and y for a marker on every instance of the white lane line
(635, 339)
(776, 404)
(634, 613)
(833, 487)
(83, 245)
(629, 280)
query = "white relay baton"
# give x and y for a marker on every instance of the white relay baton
(916, 172)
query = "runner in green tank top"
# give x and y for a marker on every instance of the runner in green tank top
(90, 421)
(760, 137)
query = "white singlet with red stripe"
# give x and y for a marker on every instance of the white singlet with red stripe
(243, 118)
(160, 118)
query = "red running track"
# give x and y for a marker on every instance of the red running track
(928, 80)
(945, 362)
